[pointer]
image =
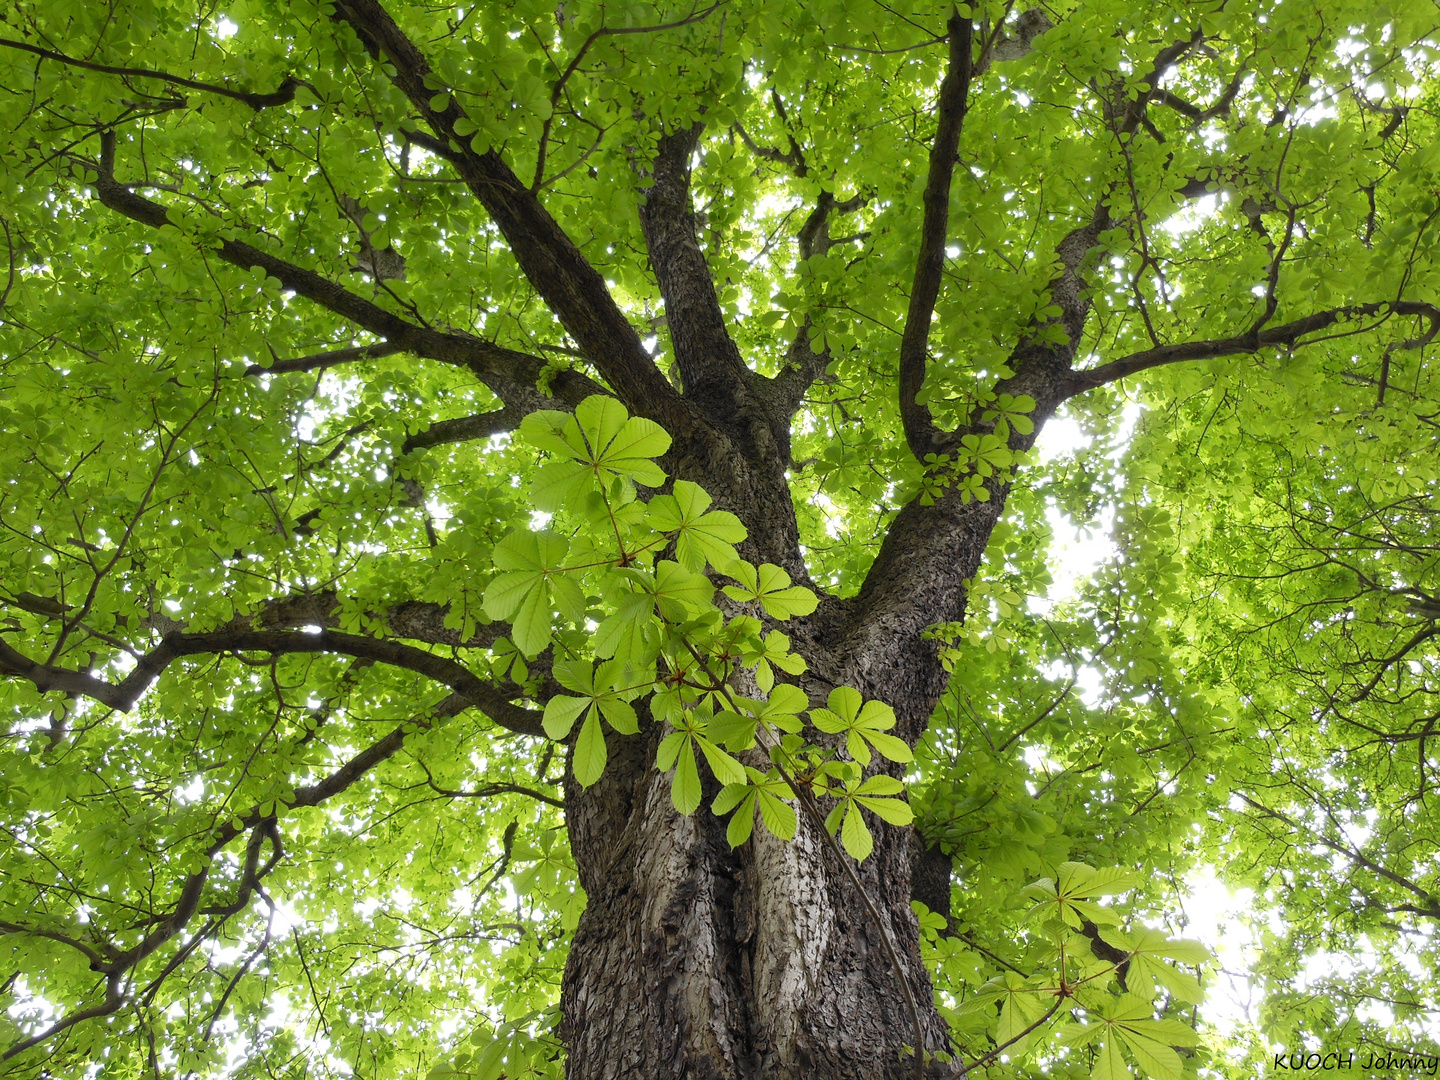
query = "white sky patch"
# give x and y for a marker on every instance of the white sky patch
(1060, 437)
(1193, 215)
(1220, 918)
(1076, 551)
(225, 28)
(834, 521)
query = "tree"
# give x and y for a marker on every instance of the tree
(390, 388)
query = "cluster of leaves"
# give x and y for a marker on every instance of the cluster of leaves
(1087, 999)
(629, 626)
(982, 461)
(1263, 638)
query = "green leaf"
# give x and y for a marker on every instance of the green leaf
(862, 724)
(726, 769)
(742, 824)
(619, 715)
(685, 787)
(777, 815)
(731, 796)
(522, 593)
(772, 589)
(530, 623)
(561, 712)
(1077, 879)
(739, 797)
(1153, 1058)
(625, 633)
(669, 749)
(1109, 1065)
(559, 485)
(588, 761)
(700, 536)
(893, 811)
(855, 835)
(891, 747)
(621, 444)
(680, 593)
(600, 442)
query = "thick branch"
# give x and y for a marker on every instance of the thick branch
(793, 159)
(714, 376)
(124, 695)
(281, 95)
(710, 365)
(1219, 107)
(569, 285)
(920, 431)
(417, 620)
(930, 551)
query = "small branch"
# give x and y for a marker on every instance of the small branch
(262, 826)
(1219, 107)
(114, 998)
(96, 960)
(124, 695)
(321, 361)
(1039, 719)
(559, 88)
(1432, 903)
(486, 791)
(608, 31)
(10, 279)
(986, 1058)
(511, 375)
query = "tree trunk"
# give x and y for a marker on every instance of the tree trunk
(695, 961)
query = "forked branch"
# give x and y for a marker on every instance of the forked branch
(570, 286)
(511, 375)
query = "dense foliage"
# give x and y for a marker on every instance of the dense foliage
(341, 541)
